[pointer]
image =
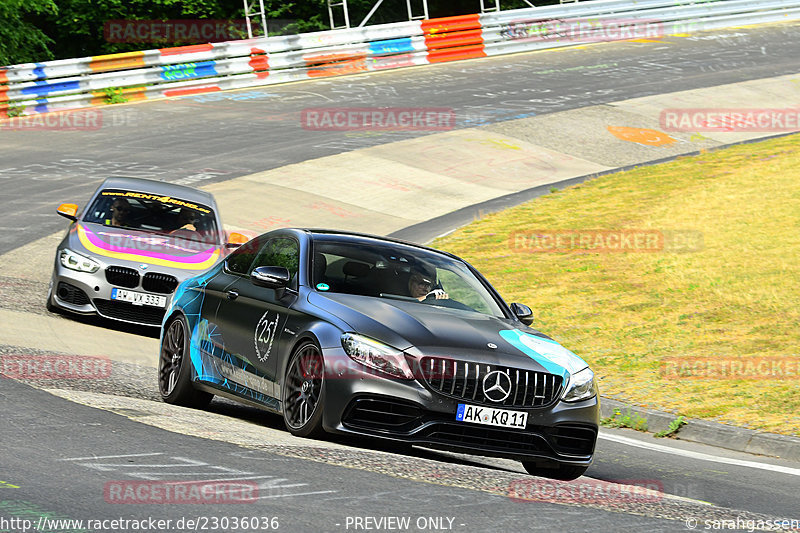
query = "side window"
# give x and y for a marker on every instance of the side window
(283, 252)
(239, 261)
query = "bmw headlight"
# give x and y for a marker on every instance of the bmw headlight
(76, 261)
(581, 386)
(376, 355)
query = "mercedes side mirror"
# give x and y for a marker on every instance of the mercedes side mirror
(271, 277)
(523, 313)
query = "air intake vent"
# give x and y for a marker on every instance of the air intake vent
(383, 413)
(574, 440)
(483, 438)
(140, 314)
(71, 294)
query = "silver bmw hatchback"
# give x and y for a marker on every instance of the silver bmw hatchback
(124, 254)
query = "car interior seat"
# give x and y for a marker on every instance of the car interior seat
(358, 278)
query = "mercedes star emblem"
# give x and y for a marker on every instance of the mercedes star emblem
(496, 386)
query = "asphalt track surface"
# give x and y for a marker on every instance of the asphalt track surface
(219, 136)
(212, 138)
(59, 458)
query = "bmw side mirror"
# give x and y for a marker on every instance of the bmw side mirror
(235, 240)
(523, 313)
(271, 277)
(69, 211)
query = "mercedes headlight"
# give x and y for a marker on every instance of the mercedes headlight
(376, 355)
(581, 386)
(76, 261)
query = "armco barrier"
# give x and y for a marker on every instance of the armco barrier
(74, 83)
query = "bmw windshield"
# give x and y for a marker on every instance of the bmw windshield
(154, 213)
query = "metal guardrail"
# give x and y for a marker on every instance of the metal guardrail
(75, 83)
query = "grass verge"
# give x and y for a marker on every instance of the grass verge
(719, 299)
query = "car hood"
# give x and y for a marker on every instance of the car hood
(427, 329)
(142, 247)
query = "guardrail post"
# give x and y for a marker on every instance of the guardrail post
(343, 4)
(412, 16)
(490, 8)
(249, 13)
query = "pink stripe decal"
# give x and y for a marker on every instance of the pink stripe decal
(189, 260)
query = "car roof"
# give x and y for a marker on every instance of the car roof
(160, 187)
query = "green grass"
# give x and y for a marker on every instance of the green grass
(674, 427)
(626, 420)
(735, 297)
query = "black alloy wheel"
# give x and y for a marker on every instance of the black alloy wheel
(304, 392)
(174, 368)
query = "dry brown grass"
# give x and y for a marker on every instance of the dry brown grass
(625, 313)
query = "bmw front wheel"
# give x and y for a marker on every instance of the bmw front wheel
(49, 302)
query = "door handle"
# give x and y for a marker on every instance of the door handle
(232, 295)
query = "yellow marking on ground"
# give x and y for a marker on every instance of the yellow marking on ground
(501, 144)
(699, 137)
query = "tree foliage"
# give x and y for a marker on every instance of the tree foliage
(78, 30)
(21, 41)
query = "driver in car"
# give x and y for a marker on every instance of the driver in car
(420, 286)
(187, 220)
(120, 213)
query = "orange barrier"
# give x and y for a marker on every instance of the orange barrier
(451, 24)
(455, 54)
(122, 61)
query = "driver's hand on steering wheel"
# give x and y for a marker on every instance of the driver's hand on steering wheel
(439, 294)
